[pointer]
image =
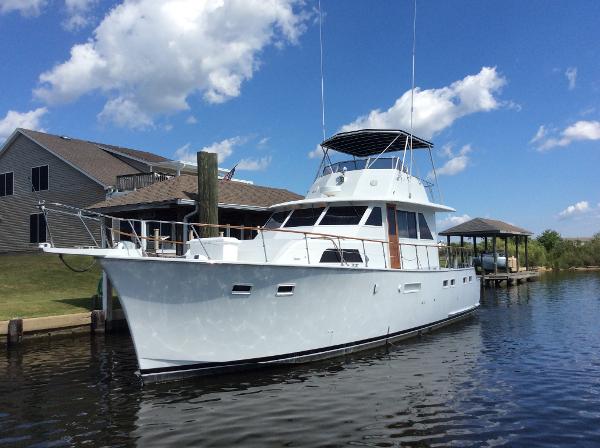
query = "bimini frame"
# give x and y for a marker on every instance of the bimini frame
(376, 142)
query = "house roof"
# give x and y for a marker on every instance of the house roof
(96, 160)
(485, 227)
(185, 188)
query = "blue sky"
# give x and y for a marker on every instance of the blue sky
(508, 90)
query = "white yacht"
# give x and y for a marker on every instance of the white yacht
(352, 266)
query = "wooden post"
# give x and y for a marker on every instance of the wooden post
(156, 240)
(486, 244)
(517, 250)
(475, 245)
(107, 303)
(208, 193)
(15, 331)
(97, 321)
(526, 254)
(495, 255)
(462, 251)
(506, 253)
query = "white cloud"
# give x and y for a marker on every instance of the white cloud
(251, 164)
(191, 120)
(154, 54)
(263, 142)
(28, 8)
(581, 130)
(223, 149)
(456, 163)
(575, 209)
(28, 120)
(452, 221)
(571, 74)
(78, 12)
(539, 135)
(125, 112)
(437, 109)
(316, 153)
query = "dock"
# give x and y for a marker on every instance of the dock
(510, 278)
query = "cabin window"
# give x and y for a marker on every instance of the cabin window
(452, 282)
(374, 218)
(276, 220)
(334, 256)
(304, 217)
(343, 216)
(285, 290)
(445, 283)
(407, 224)
(37, 228)
(6, 184)
(39, 178)
(241, 290)
(424, 231)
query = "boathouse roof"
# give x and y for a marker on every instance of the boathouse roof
(485, 227)
(183, 190)
(370, 142)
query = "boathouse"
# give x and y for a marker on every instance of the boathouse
(490, 231)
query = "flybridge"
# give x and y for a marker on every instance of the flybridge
(370, 142)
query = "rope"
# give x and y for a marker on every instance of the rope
(79, 271)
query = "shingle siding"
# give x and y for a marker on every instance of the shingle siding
(66, 185)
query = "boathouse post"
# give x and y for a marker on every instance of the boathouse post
(495, 255)
(462, 250)
(475, 246)
(486, 243)
(526, 254)
(208, 193)
(517, 250)
(506, 253)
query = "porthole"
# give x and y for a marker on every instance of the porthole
(285, 289)
(452, 282)
(241, 290)
(445, 284)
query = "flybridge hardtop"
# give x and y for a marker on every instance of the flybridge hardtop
(369, 142)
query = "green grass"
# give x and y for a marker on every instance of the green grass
(36, 285)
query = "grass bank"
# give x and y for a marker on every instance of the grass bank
(37, 285)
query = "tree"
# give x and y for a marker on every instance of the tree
(549, 239)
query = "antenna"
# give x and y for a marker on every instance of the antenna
(412, 89)
(322, 77)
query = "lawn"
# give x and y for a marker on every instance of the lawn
(36, 285)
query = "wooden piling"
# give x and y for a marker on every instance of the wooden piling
(208, 193)
(98, 321)
(15, 331)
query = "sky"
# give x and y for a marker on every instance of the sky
(508, 91)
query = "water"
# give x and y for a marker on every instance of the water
(524, 372)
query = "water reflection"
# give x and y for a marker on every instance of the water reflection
(524, 372)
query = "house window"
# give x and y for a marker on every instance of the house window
(39, 178)
(37, 228)
(6, 184)
(407, 224)
(374, 218)
(424, 228)
(304, 217)
(341, 216)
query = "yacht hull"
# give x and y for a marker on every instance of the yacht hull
(185, 320)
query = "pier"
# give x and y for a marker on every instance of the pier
(492, 268)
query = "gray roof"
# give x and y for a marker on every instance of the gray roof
(185, 188)
(97, 160)
(485, 227)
